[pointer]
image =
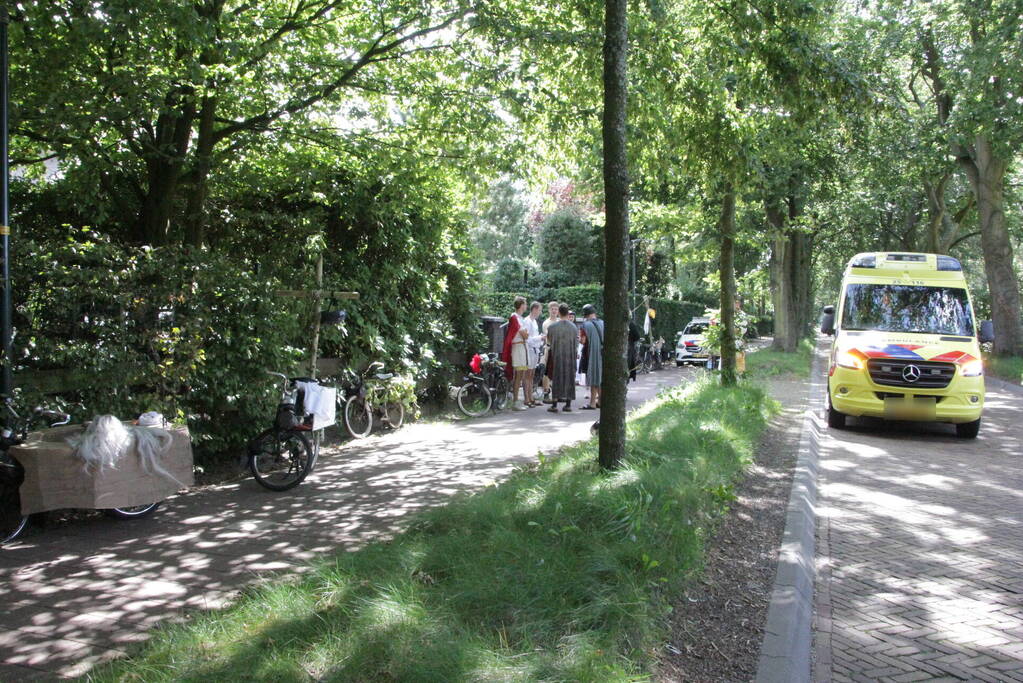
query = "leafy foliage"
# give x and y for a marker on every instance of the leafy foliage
(570, 250)
(508, 275)
(186, 332)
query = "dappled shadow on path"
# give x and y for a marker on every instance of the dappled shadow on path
(924, 533)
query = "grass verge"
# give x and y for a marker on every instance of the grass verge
(768, 363)
(1009, 368)
(559, 573)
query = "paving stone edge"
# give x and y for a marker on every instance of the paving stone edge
(785, 651)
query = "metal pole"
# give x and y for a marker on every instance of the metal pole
(5, 231)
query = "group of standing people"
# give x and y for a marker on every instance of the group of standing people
(562, 346)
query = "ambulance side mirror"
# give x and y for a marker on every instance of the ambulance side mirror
(828, 320)
(987, 332)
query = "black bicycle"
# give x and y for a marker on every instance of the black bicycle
(646, 361)
(282, 456)
(484, 389)
(656, 355)
(15, 431)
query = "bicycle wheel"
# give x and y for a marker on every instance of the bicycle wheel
(12, 522)
(358, 417)
(134, 512)
(473, 399)
(499, 393)
(394, 414)
(280, 459)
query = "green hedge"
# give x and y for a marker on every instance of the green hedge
(108, 329)
(121, 331)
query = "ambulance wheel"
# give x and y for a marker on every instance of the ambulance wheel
(836, 420)
(968, 430)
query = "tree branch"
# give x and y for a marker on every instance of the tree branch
(376, 52)
(964, 237)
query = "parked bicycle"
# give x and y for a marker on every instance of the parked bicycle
(657, 355)
(367, 396)
(646, 360)
(16, 429)
(485, 388)
(281, 456)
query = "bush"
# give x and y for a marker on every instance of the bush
(508, 274)
(186, 332)
(121, 330)
(570, 250)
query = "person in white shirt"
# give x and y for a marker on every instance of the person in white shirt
(552, 317)
(534, 342)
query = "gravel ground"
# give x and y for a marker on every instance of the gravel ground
(717, 624)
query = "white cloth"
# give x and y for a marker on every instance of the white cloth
(646, 322)
(321, 401)
(534, 342)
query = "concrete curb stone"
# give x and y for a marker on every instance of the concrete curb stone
(786, 649)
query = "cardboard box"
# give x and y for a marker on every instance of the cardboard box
(56, 479)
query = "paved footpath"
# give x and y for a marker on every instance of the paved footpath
(920, 550)
(83, 592)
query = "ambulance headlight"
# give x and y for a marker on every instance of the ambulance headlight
(973, 368)
(848, 359)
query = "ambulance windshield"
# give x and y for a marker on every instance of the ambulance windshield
(907, 308)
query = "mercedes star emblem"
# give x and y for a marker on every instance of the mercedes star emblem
(911, 373)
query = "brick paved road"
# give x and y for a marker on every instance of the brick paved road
(85, 591)
(920, 551)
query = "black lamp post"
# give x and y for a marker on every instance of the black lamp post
(5, 230)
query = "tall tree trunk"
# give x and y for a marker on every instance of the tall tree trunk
(791, 275)
(781, 282)
(986, 171)
(195, 210)
(802, 275)
(161, 187)
(936, 212)
(616, 236)
(164, 161)
(726, 270)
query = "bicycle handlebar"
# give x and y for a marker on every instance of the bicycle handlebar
(61, 418)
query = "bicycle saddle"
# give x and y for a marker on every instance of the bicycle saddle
(384, 375)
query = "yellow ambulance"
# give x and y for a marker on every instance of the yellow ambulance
(906, 343)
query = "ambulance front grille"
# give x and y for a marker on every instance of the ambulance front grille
(892, 372)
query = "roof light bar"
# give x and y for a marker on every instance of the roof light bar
(949, 263)
(863, 261)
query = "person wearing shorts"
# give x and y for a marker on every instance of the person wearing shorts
(514, 353)
(534, 343)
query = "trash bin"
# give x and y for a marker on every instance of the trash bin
(493, 329)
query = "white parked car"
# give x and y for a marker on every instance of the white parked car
(687, 348)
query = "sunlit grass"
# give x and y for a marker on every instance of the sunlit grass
(767, 363)
(1009, 368)
(560, 573)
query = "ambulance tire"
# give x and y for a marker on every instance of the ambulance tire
(836, 420)
(968, 430)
